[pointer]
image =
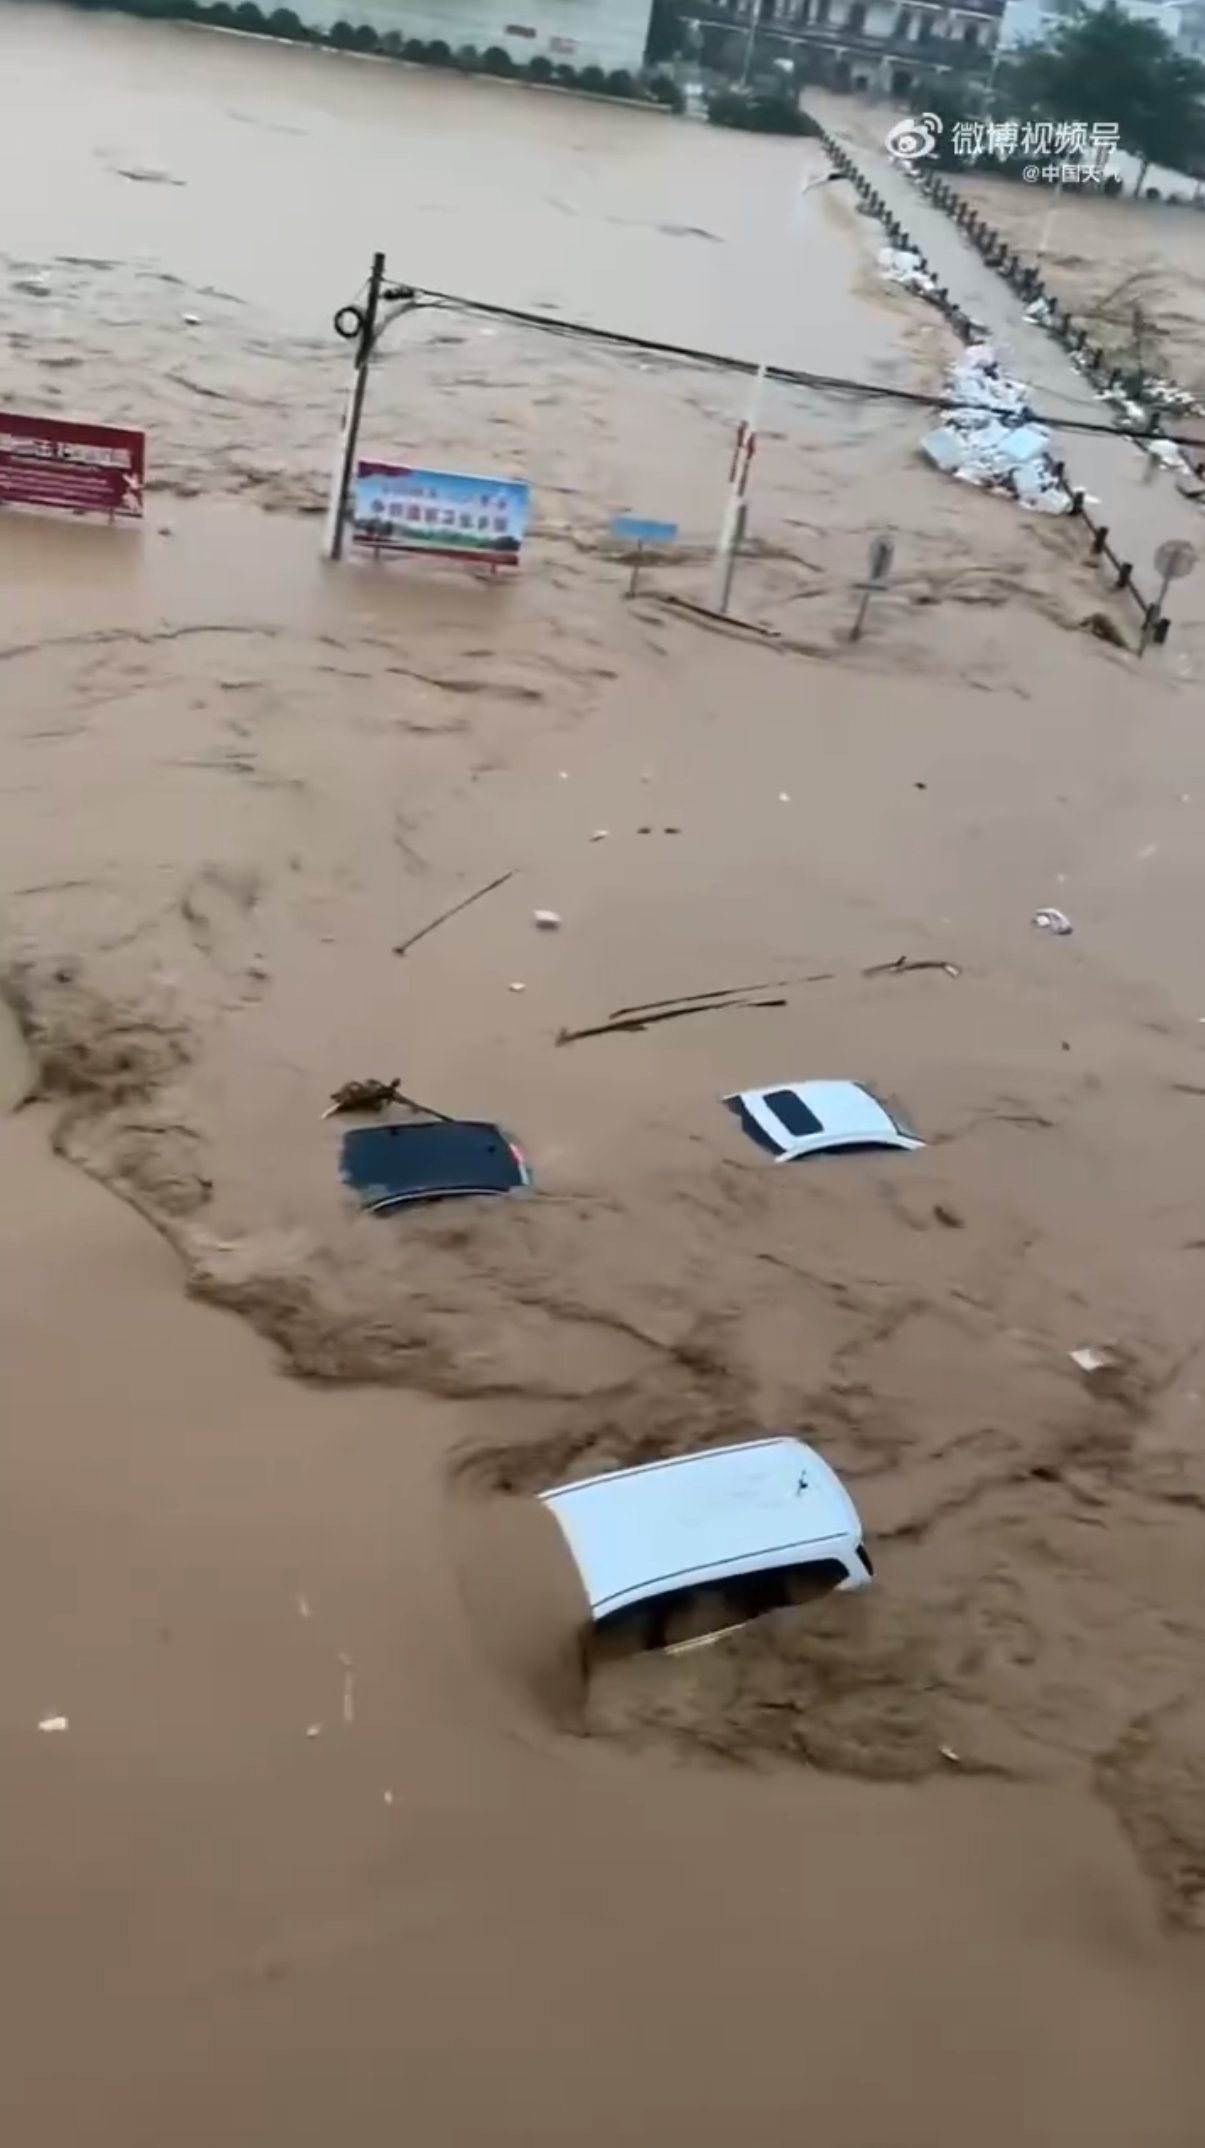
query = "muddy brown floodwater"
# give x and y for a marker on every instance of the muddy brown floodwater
(332, 1845)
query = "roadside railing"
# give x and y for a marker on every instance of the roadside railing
(1027, 282)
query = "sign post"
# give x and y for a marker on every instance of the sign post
(878, 567)
(634, 530)
(1173, 560)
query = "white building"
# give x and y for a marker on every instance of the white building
(881, 45)
(574, 33)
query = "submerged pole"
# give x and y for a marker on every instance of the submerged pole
(736, 507)
(345, 455)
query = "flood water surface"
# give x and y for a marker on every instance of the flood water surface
(333, 1844)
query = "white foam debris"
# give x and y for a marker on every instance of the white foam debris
(990, 440)
(900, 265)
(1165, 453)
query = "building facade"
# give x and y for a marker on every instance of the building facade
(882, 45)
(575, 33)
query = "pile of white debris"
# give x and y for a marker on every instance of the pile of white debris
(991, 439)
(900, 265)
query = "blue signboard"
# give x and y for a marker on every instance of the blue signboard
(633, 529)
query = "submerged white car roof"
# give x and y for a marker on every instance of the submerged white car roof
(801, 1118)
(635, 1533)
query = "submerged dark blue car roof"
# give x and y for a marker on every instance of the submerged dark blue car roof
(428, 1160)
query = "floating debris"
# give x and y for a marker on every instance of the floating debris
(370, 1095)
(947, 1216)
(991, 440)
(904, 963)
(53, 1723)
(632, 1020)
(1090, 1360)
(1055, 921)
(547, 920)
(404, 946)
(900, 265)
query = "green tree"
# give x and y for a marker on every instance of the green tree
(664, 90)
(1104, 65)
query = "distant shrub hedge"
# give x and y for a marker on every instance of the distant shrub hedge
(759, 113)
(664, 90)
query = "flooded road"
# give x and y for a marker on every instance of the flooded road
(320, 1852)
(271, 174)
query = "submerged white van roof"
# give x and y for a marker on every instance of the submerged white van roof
(634, 1533)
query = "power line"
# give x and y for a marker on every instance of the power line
(406, 299)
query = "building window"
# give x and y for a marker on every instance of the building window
(903, 22)
(970, 33)
(855, 20)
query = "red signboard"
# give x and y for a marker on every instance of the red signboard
(83, 469)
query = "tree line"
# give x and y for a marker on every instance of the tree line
(283, 22)
(1101, 67)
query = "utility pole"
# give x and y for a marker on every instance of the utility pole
(363, 325)
(754, 21)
